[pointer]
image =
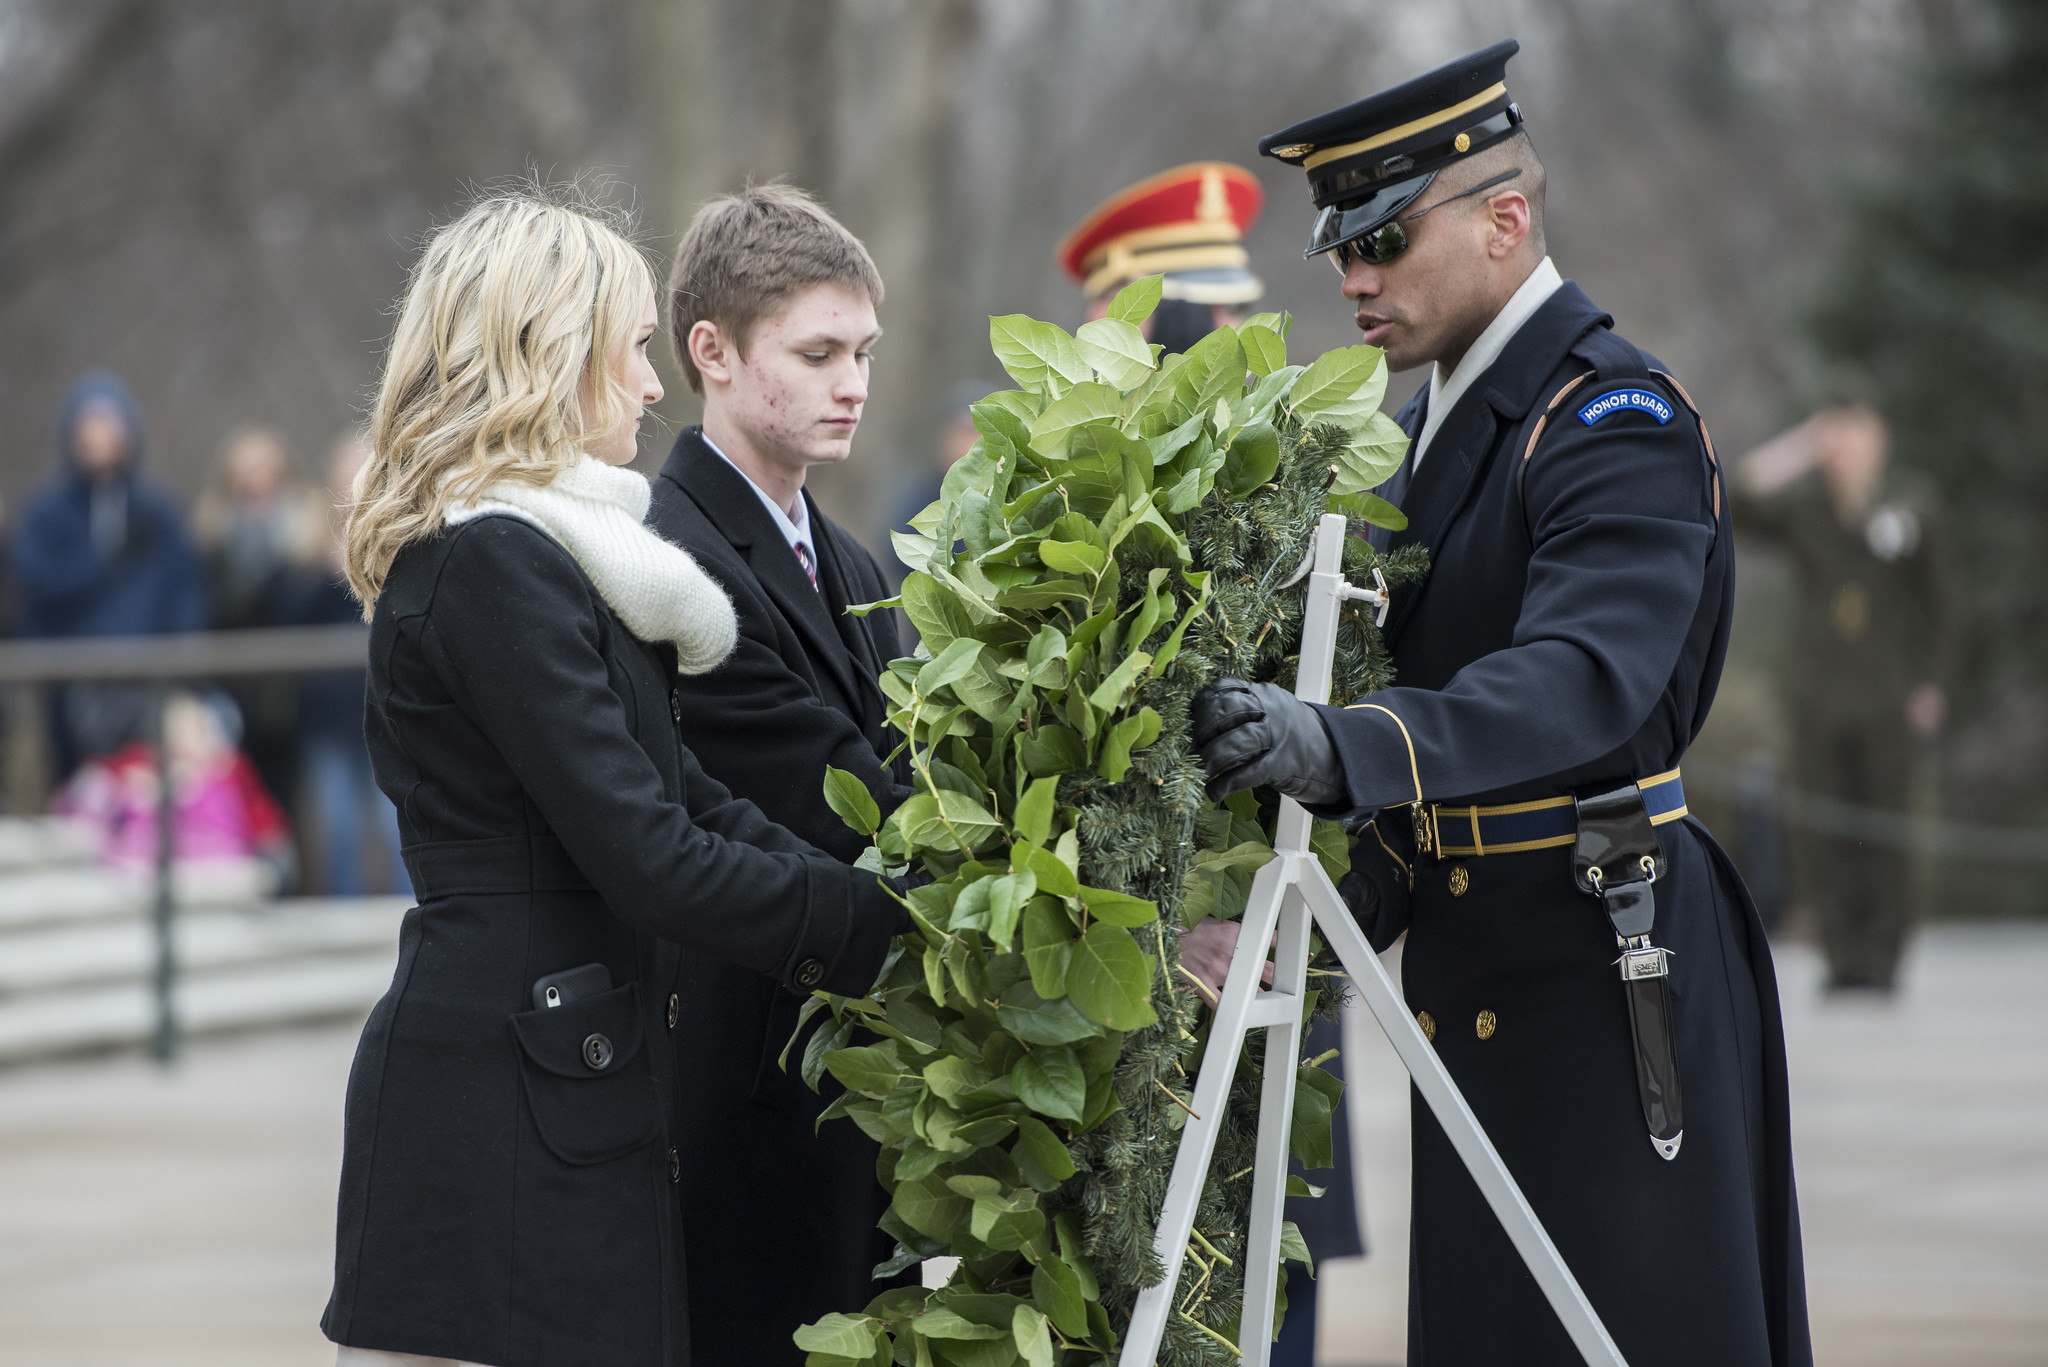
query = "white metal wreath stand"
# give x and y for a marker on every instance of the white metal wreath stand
(1288, 894)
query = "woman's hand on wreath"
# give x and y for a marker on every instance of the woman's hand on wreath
(1205, 955)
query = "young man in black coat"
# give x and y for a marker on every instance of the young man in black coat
(772, 306)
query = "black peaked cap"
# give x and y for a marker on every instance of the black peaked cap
(1405, 133)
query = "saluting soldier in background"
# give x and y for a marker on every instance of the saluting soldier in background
(1551, 672)
(1187, 225)
(1862, 668)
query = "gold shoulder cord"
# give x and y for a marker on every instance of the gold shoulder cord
(1423, 843)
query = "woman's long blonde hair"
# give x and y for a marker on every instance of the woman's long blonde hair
(500, 365)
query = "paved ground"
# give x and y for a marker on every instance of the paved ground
(172, 1221)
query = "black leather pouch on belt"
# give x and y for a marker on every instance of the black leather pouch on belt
(1617, 859)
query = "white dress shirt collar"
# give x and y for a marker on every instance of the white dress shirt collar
(795, 531)
(1446, 390)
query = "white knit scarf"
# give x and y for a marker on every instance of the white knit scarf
(598, 513)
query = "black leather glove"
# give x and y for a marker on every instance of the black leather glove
(1252, 735)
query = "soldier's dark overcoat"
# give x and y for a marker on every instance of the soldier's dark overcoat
(1569, 639)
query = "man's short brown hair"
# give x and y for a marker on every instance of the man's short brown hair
(745, 253)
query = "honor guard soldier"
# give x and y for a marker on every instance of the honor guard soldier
(1187, 225)
(1581, 953)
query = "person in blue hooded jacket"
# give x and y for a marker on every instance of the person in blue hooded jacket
(102, 551)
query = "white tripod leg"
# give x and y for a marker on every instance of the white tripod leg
(1452, 1112)
(1276, 1114)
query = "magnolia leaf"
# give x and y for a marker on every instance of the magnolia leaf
(1046, 1022)
(1085, 403)
(1049, 1080)
(1036, 1138)
(942, 1323)
(1299, 1186)
(1109, 694)
(850, 799)
(846, 1336)
(1033, 1338)
(1378, 446)
(1119, 908)
(951, 663)
(1055, 875)
(1117, 350)
(1254, 456)
(1294, 1248)
(1264, 351)
(1110, 979)
(1072, 557)
(1053, 750)
(1132, 733)
(864, 1069)
(1135, 302)
(1048, 946)
(1362, 403)
(1332, 378)
(1038, 355)
(1034, 811)
(1309, 1135)
(1057, 1289)
(1332, 848)
(1007, 897)
(1367, 508)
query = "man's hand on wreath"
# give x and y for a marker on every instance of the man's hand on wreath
(1252, 735)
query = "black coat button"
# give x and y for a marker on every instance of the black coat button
(675, 1009)
(810, 973)
(597, 1052)
(675, 1166)
(675, 705)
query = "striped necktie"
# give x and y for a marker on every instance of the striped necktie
(803, 557)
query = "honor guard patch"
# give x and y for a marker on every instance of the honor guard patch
(1626, 401)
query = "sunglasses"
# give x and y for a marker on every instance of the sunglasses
(1390, 239)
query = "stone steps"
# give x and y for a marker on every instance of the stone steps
(78, 951)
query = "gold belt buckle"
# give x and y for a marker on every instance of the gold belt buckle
(1423, 843)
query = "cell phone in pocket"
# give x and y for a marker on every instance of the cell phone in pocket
(571, 985)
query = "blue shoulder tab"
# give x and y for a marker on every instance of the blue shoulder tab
(1627, 401)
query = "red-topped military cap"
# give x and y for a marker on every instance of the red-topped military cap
(1187, 224)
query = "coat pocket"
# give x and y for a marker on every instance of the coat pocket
(586, 1085)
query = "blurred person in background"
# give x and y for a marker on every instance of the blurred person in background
(263, 532)
(351, 824)
(772, 313)
(1863, 669)
(1187, 225)
(102, 551)
(227, 831)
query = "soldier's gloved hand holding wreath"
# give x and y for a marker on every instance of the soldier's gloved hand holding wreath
(1252, 735)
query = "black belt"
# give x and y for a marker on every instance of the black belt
(447, 868)
(1456, 831)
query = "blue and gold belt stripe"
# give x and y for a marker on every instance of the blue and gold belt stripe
(1540, 825)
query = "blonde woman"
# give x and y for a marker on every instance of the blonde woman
(507, 1192)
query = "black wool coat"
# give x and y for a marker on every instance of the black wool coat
(504, 1200)
(1569, 639)
(781, 1227)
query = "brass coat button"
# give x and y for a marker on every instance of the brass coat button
(1487, 1021)
(1428, 1024)
(675, 1166)
(675, 1009)
(597, 1053)
(1460, 880)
